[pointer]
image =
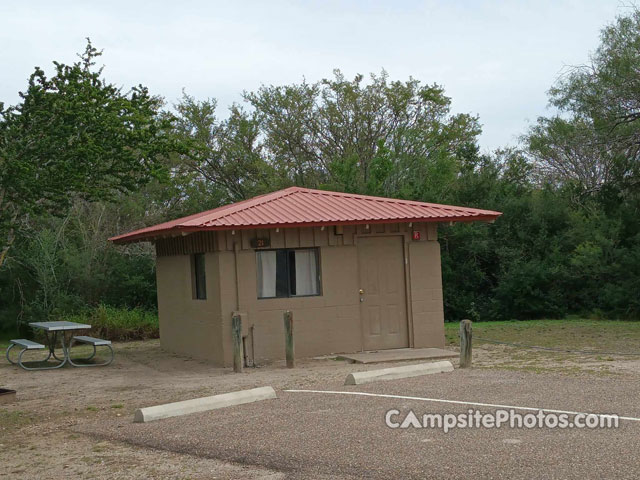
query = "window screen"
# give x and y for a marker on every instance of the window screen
(199, 277)
(288, 273)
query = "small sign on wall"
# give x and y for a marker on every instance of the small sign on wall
(415, 235)
(260, 242)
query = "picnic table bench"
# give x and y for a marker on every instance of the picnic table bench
(26, 345)
(94, 342)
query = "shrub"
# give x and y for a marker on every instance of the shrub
(120, 324)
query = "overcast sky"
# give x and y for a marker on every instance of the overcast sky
(496, 59)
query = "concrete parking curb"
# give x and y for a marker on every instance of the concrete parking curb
(394, 373)
(148, 414)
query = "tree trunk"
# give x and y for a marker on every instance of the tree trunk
(5, 249)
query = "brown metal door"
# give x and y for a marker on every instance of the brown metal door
(382, 292)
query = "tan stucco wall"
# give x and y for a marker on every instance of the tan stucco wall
(325, 324)
(187, 326)
(426, 294)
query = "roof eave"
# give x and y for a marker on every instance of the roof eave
(183, 230)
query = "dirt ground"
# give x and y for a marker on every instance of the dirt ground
(76, 423)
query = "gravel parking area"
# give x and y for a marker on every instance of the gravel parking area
(310, 435)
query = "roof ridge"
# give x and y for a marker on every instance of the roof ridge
(278, 194)
(387, 199)
(248, 203)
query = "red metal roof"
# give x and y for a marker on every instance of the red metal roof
(296, 206)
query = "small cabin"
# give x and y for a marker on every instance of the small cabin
(359, 273)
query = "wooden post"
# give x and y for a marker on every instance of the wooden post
(236, 335)
(465, 343)
(288, 339)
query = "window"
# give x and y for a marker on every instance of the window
(288, 273)
(198, 277)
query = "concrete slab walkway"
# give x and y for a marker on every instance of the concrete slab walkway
(398, 355)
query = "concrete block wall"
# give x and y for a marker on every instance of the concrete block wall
(325, 324)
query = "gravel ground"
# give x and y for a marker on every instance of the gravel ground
(76, 423)
(329, 436)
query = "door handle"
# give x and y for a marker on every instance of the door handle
(361, 291)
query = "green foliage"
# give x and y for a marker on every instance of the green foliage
(593, 141)
(74, 132)
(73, 135)
(223, 159)
(588, 157)
(63, 265)
(118, 323)
(548, 255)
(384, 137)
(568, 240)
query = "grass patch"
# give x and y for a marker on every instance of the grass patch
(14, 419)
(100, 447)
(571, 333)
(576, 334)
(92, 408)
(118, 324)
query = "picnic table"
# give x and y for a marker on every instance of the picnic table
(51, 331)
(65, 331)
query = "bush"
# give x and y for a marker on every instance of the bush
(121, 324)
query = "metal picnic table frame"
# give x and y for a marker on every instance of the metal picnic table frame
(54, 328)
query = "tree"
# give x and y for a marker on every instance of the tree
(594, 141)
(572, 152)
(589, 154)
(76, 136)
(384, 137)
(223, 157)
